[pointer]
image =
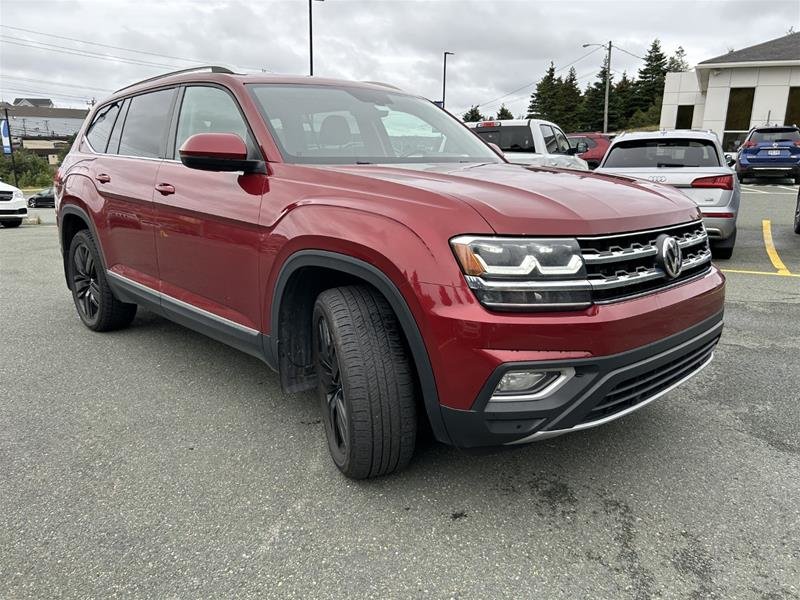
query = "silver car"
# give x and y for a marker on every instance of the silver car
(691, 161)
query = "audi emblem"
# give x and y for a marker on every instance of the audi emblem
(670, 256)
(657, 178)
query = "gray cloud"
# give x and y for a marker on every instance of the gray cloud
(499, 45)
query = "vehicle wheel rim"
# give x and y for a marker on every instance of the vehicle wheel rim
(335, 407)
(84, 282)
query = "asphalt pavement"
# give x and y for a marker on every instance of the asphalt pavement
(157, 463)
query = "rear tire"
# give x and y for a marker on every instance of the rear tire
(366, 385)
(724, 249)
(96, 304)
(11, 223)
(740, 177)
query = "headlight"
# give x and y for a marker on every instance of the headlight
(18, 195)
(524, 273)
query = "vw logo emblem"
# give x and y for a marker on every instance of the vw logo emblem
(669, 257)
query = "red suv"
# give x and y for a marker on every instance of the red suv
(596, 145)
(364, 243)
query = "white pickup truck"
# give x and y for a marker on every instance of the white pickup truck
(531, 142)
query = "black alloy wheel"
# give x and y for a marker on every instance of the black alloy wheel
(334, 405)
(84, 282)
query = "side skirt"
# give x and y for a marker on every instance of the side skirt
(249, 341)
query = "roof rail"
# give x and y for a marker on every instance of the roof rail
(211, 68)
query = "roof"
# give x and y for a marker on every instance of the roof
(784, 48)
(509, 122)
(38, 102)
(692, 134)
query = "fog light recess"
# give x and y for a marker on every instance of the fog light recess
(530, 384)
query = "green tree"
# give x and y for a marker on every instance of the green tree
(473, 115)
(650, 82)
(646, 119)
(621, 101)
(503, 114)
(544, 99)
(677, 62)
(593, 105)
(568, 116)
(32, 170)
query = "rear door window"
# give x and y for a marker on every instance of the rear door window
(664, 153)
(100, 129)
(146, 125)
(510, 138)
(116, 133)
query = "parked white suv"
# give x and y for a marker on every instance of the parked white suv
(531, 142)
(12, 206)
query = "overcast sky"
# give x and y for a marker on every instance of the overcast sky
(499, 46)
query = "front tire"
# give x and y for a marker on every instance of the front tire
(366, 384)
(96, 304)
(11, 223)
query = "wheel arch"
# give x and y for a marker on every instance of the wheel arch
(72, 219)
(285, 345)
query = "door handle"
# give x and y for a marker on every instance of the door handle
(103, 178)
(165, 189)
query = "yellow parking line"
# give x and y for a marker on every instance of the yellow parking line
(766, 225)
(759, 273)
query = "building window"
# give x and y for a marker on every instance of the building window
(737, 119)
(684, 118)
(793, 107)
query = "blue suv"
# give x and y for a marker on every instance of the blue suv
(770, 152)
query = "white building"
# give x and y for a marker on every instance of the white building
(731, 93)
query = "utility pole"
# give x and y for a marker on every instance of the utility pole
(444, 75)
(311, 38)
(11, 149)
(608, 85)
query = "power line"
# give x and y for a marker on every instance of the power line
(527, 85)
(626, 52)
(55, 83)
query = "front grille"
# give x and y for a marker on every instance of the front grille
(624, 265)
(6, 196)
(635, 390)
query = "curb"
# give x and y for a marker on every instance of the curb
(34, 220)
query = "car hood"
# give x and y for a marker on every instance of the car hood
(4, 187)
(516, 200)
(547, 160)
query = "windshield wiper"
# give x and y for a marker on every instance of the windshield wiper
(364, 162)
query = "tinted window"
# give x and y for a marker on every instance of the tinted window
(343, 125)
(113, 141)
(100, 128)
(576, 139)
(787, 134)
(549, 139)
(209, 110)
(146, 124)
(514, 138)
(662, 153)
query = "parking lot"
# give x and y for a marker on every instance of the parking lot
(155, 462)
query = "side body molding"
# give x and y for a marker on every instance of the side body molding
(376, 278)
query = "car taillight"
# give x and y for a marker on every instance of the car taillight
(749, 144)
(797, 142)
(723, 182)
(488, 124)
(720, 215)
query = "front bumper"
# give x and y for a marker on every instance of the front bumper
(13, 209)
(602, 390)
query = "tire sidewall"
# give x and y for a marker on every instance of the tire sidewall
(83, 238)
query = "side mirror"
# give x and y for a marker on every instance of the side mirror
(218, 152)
(730, 160)
(582, 147)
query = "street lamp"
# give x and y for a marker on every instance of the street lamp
(608, 81)
(311, 39)
(444, 74)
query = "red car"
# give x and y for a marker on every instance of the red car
(597, 144)
(365, 244)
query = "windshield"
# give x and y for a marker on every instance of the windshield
(510, 138)
(335, 125)
(662, 153)
(776, 135)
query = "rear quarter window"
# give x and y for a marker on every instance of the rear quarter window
(146, 124)
(657, 153)
(100, 129)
